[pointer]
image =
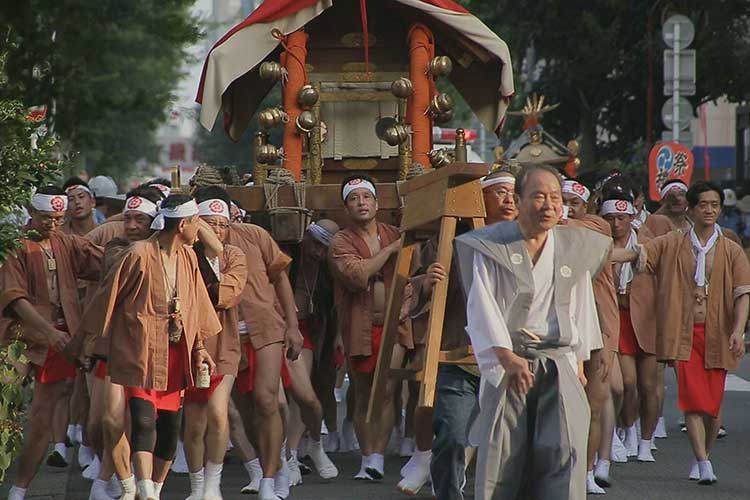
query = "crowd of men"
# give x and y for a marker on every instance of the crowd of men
(175, 329)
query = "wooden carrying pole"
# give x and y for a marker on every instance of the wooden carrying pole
(441, 197)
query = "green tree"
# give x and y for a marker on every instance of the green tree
(28, 158)
(107, 71)
(594, 56)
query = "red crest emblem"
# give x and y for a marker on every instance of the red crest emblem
(354, 182)
(621, 205)
(58, 203)
(134, 203)
(579, 189)
(216, 207)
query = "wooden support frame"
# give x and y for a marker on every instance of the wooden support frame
(441, 197)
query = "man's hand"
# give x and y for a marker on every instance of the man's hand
(57, 339)
(293, 342)
(520, 378)
(582, 374)
(201, 356)
(605, 363)
(737, 344)
(435, 273)
(393, 247)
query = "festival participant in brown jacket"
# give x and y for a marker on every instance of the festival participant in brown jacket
(156, 311)
(702, 310)
(636, 297)
(39, 291)
(106, 425)
(596, 369)
(81, 204)
(312, 287)
(268, 318)
(362, 260)
(206, 408)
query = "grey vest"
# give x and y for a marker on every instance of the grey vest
(577, 250)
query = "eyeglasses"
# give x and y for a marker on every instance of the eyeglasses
(502, 193)
(219, 225)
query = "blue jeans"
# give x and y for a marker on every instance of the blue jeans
(456, 406)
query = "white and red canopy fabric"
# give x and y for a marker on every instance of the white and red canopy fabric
(228, 85)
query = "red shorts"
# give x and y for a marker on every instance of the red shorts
(195, 395)
(171, 398)
(304, 329)
(628, 344)
(366, 364)
(100, 371)
(246, 378)
(56, 368)
(699, 390)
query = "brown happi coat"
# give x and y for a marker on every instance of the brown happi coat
(658, 224)
(605, 290)
(131, 309)
(225, 348)
(265, 262)
(24, 275)
(353, 291)
(640, 300)
(672, 259)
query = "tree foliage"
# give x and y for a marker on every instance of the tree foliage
(107, 71)
(28, 158)
(594, 55)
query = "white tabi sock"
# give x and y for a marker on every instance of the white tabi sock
(17, 493)
(157, 490)
(145, 489)
(62, 450)
(128, 485)
(196, 485)
(323, 464)
(212, 485)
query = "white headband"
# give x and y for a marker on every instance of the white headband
(165, 190)
(502, 179)
(187, 209)
(49, 202)
(214, 207)
(78, 186)
(138, 204)
(576, 188)
(320, 233)
(673, 185)
(358, 184)
(617, 207)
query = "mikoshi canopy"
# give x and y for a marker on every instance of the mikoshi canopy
(230, 81)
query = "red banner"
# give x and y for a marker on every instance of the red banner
(667, 161)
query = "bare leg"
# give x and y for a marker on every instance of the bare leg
(630, 390)
(267, 417)
(217, 439)
(696, 430)
(62, 414)
(596, 392)
(114, 425)
(196, 420)
(242, 445)
(41, 414)
(616, 387)
(324, 381)
(311, 412)
(711, 425)
(647, 391)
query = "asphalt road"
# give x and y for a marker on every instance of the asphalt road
(664, 480)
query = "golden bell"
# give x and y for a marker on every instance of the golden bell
(439, 158)
(268, 153)
(271, 70)
(307, 96)
(396, 134)
(440, 66)
(306, 121)
(441, 103)
(279, 116)
(443, 117)
(266, 118)
(402, 88)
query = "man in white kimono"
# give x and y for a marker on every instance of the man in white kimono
(532, 321)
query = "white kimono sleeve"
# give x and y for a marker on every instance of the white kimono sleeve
(585, 319)
(485, 320)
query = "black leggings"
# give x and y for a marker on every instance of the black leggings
(154, 431)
